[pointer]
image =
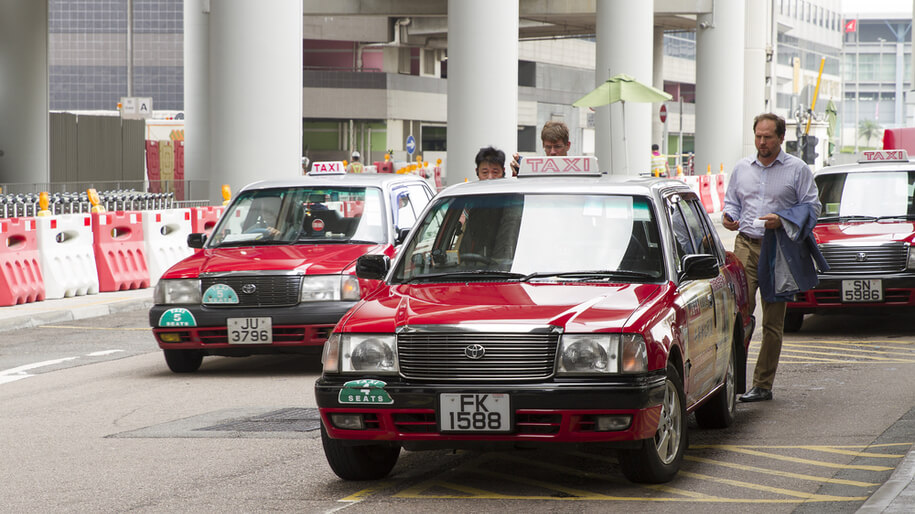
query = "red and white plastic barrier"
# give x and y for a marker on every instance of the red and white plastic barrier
(119, 250)
(165, 235)
(203, 219)
(66, 255)
(20, 273)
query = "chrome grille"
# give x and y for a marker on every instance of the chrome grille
(865, 259)
(271, 290)
(508, 356)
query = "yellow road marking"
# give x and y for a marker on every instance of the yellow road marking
(363, 494)
(769, 489)
(850, 343)
(851, 350)
(91, 328)
(869, 357)
(747, 451)
(854, 453)
(784, 474)
(797, 446)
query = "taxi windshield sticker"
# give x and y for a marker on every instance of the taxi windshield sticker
(365, 391)
(220, 293)
(177, 317)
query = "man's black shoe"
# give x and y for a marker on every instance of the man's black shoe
(757, 394)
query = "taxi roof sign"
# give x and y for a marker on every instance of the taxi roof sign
(567, 165)
(327, 168)
(884, 156)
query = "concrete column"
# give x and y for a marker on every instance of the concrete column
(719, 66)
(255, 91)
(754, 81)
(898, 120)
(482, 82)
(197, 157)
(657, 80)
(24, 91)
(624, 45)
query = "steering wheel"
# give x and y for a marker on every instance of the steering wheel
(476, 257)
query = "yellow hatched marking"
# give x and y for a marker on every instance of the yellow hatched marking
(775, 490)
(470, 492)
(566, 470)
(797, 446)
(850, 350)
(862, 342)
(363, 494)
(840, 451)
(747, 451)
(874, 358)
(783, 474)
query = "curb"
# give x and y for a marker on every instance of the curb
(31, 315)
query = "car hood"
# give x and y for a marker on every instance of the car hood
(308, 259)
(575, 308)
(869, 232)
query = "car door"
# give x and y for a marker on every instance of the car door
(695, 300)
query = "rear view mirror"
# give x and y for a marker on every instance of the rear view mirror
(699, 267)
(196, 240)
(373, 267)
(401, 235)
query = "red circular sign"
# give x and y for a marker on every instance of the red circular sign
(317, 225)
(663, 113)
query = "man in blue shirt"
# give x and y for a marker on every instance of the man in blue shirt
(760, 186)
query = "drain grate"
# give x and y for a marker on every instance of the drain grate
(283, 420)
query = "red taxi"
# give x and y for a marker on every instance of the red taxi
(865, 231)
(541, 310)
(277, 273)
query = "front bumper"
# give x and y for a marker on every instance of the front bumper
(543, 413)
(826, 297)
(304, 325)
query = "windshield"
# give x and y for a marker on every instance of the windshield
(303, 215)
(882, 194)
(527, 236)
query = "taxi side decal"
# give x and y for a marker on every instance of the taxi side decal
(177, 317)
(365, 391)
(220, 293)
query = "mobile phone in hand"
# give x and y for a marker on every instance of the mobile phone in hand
(728, 218)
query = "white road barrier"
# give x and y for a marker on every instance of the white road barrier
(165, 235)
(66, 255)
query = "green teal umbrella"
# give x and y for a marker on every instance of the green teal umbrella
(622, 88)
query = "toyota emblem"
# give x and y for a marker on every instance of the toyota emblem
(248, 288)
(861, 257)
(475, 351)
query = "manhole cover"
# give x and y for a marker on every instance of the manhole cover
(283, 420)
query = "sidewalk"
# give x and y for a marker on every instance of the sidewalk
(33, 314)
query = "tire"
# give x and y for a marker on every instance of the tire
(183, 361)
(659, 458)
(362, 462)
(793, 321)
(719, 411)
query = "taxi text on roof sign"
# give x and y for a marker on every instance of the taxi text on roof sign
(568, 165)
(884, 156)
(327, 168)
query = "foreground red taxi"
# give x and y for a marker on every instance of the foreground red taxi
(533, 311)
(278, 271)
(865, 231)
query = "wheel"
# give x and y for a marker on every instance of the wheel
(793, 321)
(718, 411)
(183, 361)
(659, 458)
(475, 257)
(362, 462)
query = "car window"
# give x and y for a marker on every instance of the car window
(407, 206)
(691, 234)
(883, 193)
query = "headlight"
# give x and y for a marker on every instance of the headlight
(602, 353)
(589, 353)
(328, 288)
(373, 353)
(177, 292)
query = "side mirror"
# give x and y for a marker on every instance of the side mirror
(373, 267)
(699, 267)
(401, 236)
(196, 240)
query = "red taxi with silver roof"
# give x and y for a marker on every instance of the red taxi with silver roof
(865, 231)
(277, 273)
(561, 306)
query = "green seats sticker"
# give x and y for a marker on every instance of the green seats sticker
(365, 391)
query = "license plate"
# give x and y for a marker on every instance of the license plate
(475, 412)
(864, 290)
(250, 330)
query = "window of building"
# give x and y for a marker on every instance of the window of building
(434, 138)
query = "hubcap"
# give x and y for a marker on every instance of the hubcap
(670, 428)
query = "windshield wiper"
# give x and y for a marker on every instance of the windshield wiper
(896, 217)
(592, 274)
(851, 217)
(480, 274)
